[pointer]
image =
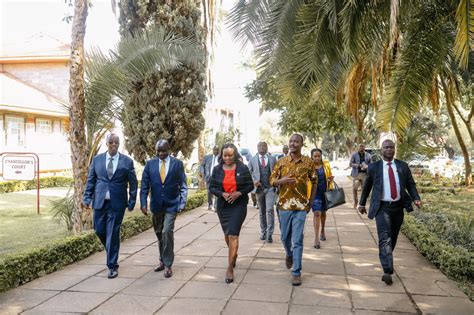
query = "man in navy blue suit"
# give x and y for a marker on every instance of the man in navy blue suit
(106, 190)
(165, 179)
(393, 189)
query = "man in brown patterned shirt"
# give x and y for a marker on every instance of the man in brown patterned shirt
(292, 174)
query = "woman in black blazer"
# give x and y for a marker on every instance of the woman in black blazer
(231, 182)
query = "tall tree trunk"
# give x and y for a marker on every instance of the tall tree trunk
(449, 105)
(77, 136)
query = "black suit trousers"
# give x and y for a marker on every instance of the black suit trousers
(389, 219)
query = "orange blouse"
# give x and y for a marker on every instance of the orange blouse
(229, 184)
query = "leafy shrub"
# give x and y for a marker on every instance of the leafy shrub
(454, 261)
(45, 182)
(17, 269)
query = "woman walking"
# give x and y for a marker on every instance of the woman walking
(231, 182)
(325, 178)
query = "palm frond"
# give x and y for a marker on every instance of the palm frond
(464, 32)
(422, 55)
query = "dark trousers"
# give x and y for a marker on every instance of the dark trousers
(389, 219)
(107, 222)
(163, 224)
(210, 197)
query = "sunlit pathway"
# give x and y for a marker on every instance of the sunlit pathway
(343, 277)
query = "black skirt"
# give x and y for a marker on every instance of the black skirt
(231, 216)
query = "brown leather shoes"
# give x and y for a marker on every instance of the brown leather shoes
(289, 262)
(160, 267)
(168, 272)
(296, 281)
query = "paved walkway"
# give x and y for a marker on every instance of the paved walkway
(341, 278)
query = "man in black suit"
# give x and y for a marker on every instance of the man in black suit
(393, 189)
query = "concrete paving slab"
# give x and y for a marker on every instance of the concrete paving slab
(444, 305)
(320, 281)
(262, 292)
(129, 271)
(217, 275)
(72, 302)
(296, 309)
(378, 301)
(374, 283)
(151, 286)
(240, 307)
(430, 286)
(17, 300)
(181, 306)
(268, 264)
(54, 282)
(268, 277)
(321, 297)
(124, 304)
(223, 262)
(206, 290)
(81, 270)
(189, 261)
(141, 260)
(102, 284)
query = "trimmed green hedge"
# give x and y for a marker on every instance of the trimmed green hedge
(45, 182)
(17, 269)
(454, 261)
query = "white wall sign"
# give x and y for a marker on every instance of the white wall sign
(17, 167)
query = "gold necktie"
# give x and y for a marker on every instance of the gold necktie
(163, 171)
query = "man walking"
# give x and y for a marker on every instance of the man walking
(261, 166)
(393, 189)
(106, 190)
(207, 166)
(359, 162)
(164, 178)
(285, 151)
(292, 174)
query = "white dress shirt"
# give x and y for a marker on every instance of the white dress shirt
(115, 160)
(215, 160)
(386, 182)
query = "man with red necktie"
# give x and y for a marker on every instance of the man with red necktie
(393, 189)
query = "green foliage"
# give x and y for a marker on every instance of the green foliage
(17, 269)
(45, 182)
(163, 103)
(62, 210)
(454, 261)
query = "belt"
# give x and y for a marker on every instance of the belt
(391, 202)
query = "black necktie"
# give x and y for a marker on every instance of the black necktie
(110, 168)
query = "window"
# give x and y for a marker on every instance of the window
(15, 128)
(44, 125)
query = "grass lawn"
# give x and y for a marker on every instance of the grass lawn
(21, 228)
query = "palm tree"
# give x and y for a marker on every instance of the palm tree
(77, 137)
(328, 49)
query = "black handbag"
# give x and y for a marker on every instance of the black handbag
(335, 197)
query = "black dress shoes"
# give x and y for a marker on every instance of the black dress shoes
(269, 239)
(113, 273)
(387, 278)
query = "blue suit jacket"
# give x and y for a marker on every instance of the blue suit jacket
(98, 183)
(374, 182)
(355, 161)
(169, 196)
